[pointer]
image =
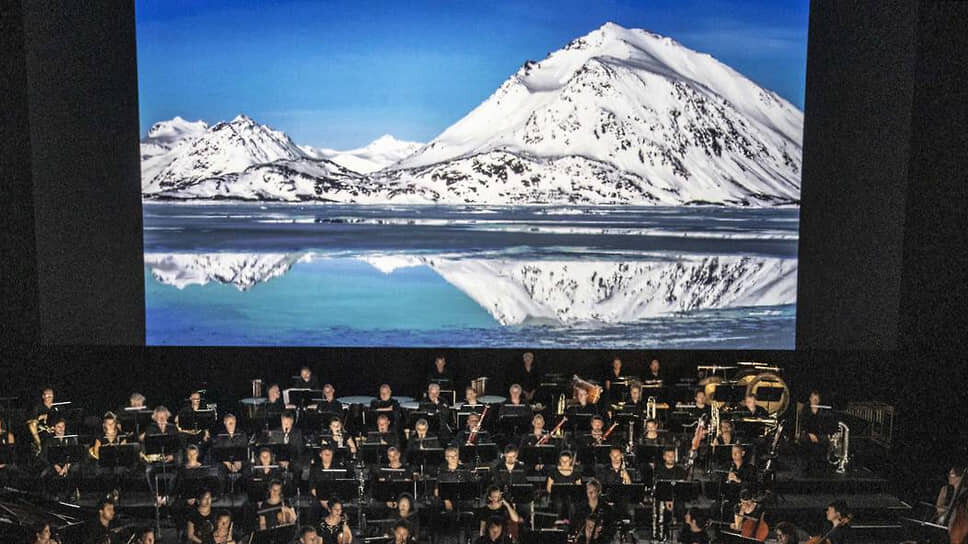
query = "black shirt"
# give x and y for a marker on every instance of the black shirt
(664, 473)
(606, 519)
(502, 477)
(204, 525)
(527, 380)
(686, 536)
(812, 423)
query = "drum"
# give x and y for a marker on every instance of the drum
(357, 399)
(770, 390)
(252, 407)
(410, 405)
(492, 399)
(257, 388)
(402, 399)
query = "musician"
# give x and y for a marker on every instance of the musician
(394, 463)
(694, 528)
(563, 473)
(190, 425)
(526, 376)
(201, 520)
(748, 509)
(441, 374)
(184, 499)
(42, 534)
(99, 532)
(726, 436)
(145, 535)
(652, 436)
(741, 475)
(110, 435)
(786, 533)
(668, 469)
(946, 499)
(702, 406)
(274, 403)
(451, 471)
(815, 426)
(508, 470)
(333, 528)
(231, 438)
(136, 401)
(537, 432)
(494, 533)
(614, 373)
(306, 379)
(751, 409)
(435, 405)
(159, 425)
(582, 409)
(402, 534)
(420, 439)
(337, 437)
(498, 508)
(615, 472)
(595, 506)
(654, 373)
(224, 528)
(589, 531)
(263, 472)
(385, 401)
(308, 535)
(405, 513)
(471, 428)
(596, 436)
(471, 404)
(38, 415)
(838, 517)
(292, 437)
(61, 474)
(634, 403)
(328, 404)
(384, 434)
(283, 514)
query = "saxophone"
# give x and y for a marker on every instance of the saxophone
(838, 453)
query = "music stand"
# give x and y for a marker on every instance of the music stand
(649, 452)
(390, 489)
(572, 492)
(580, 421)
(281, 534)
(194, 481)
(545, 454)
(521, 493)
(680, 491)
(373, 454)
(344, 488)
(547, 535)
(514, 417)
(479, 452)
(230, 453)
(140, 418)
(597, 454)
(424, 457)
(196, 420)
(458, 491)
(62, 454)
(115, 456)
(280, 452)
(625, 493)
(731, 394)
(301, 397)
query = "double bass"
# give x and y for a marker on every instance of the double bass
(957, 514)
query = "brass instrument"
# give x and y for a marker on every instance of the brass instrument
(594, 391)
(560, 407)
(650, 411)
(838, 452)
(762, 379)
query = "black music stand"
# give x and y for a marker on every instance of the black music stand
(390, 489)
(139, 419)
(280, 452)
(479, 452)
(625, 493)
(572, 492)
(466, 490)
(230, 453)
(521, 493)
(680, 491)
(64, 453)
(202, 478)
(514, 419)
(196, 420)
(339, 454)
(302, 397)
(649, 452)
(373, 454)
(425, 457)
(282, 534)
(257, 485)
(596, 454)
(549, 535)
(545, 454)
(579, 421)
(732, 393)
(116, 456)
(344, 488)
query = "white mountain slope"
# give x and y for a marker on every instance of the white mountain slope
(376, 155)
(162, 136)
(682, 122)
(618, 116)
(516, 291)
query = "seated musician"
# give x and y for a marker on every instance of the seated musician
(293, 437)
(42, 534)
(405, 512)
(337, 437)
(751, 409)
(526, 376)
(654, 373)
(496, 506)
(564, 472)
(110, 435)
(440, 373)
(59, 472)
(838, 518)
(306, 379)
(385, 401)
(634, 404)
(515, 396)
(594, 505)
(326, 461)
(393, 465)
(434, 405)
(159, 425)
(282, 514)
(201, 520)
(275, 405)
(450, 471)
(231, 438)
(186, 424)
(596, 436)
(668, 469)
(786, 533)
(7, 463)
(726, 436)
(38, 416)
(946, 499)
(384, 434)
(583, 406)
(263, 472)
(136, 401)
(402, 534)
(328, 404)
(100, 530)
(493, 533)
(471, 428)
(308, 535)
(334, 528)
(652, 436)
(471, 404)
(615, 472)
(508, 470)
(747, 510)
(224, 528)
(741, 474)
(815, 426)
(694, 527)
(421, 437)
(434, 398)
(183, 496)
(702, 406)
(537, 434)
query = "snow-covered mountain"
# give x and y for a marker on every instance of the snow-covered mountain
(618, 116)
(376, 155)
(516, 291)
(162, 136)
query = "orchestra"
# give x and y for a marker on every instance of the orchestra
(321, 466)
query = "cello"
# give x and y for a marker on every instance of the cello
(824, 539)
(755, 528)
(958, 514)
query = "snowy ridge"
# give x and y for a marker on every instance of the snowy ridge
(378, 154)
(243, 270)
(162, 136)
(516, 291)
(618, 116)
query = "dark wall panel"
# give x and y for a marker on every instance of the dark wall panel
(860, 59)
(83, 111)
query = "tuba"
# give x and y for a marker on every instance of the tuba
(594, 391)
(838, 452)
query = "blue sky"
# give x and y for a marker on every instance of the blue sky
(340, 74)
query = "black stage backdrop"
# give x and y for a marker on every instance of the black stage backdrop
(881, 306)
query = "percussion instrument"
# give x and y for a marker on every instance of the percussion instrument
(480, 385)
(252, 407)
(357, 399)
(403, 399)
(769, 387)
(410, 405)
(492, 399)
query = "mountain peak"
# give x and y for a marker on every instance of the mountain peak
(242, 119)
